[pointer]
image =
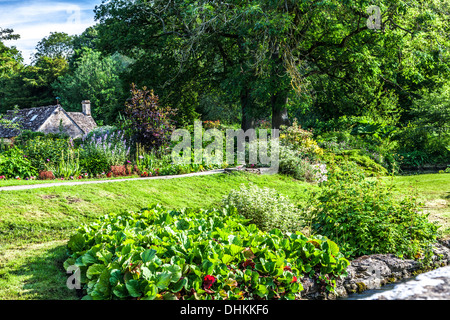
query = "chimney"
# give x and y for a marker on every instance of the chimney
(86, 107)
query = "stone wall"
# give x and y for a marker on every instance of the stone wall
(374, 271)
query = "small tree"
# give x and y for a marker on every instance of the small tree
(151, 123)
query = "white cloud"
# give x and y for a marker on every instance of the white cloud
(34, 20)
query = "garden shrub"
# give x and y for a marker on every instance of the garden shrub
(94, 163)
(151, 123)
(266, 208)
(370, 167)
(365, 217)
(14, 163)
(292, 163)
(112, 146)
(41, 148)
(197, 255)
(300, 140)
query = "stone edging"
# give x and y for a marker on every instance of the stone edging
(374, 271)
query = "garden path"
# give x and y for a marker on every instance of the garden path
(73, 183)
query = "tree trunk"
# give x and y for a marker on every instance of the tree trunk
(248, 122)
(279, 110)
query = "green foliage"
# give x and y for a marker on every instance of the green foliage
(111, 146)
(95, 163)
(56, 45)
(68, 165)
(43, 149)
(365, 217)
(102, 87)
(196, 255)
(266, 208)
(295, 164)
(370, 167)
(14, 163)
(300, 140)
(10, 58)
(31, 86)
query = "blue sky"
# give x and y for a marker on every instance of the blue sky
(35, 19)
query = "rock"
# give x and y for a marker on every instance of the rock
(433, 285)
(373, 271)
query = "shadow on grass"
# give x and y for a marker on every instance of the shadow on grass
(44, 277)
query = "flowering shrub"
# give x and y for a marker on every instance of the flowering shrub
(111, 146)
(265, 208)
(300, 140)
(197, 255)
(211, 124)
(320, 174)
(294, 164)
(263, 124)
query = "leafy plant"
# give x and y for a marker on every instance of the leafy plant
(300, 140)
(14, 163)
(151, 122)
(266, 208)
(41, 148)
(196, 255)
(365, 217)
(69, 165)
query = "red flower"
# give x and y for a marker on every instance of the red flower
(208, 281)
(287, 268)
(294, 279)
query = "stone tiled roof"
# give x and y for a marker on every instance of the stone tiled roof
(86, 123)
(26, 119)
(33, 118)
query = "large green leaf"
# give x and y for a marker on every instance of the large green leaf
(76, 243)
(133, 288)
(121, 291)
(115, 277)
(150, 292)
(163, 280)
(148, 255)
(95, 270)
(179, 285)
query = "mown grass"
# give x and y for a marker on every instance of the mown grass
(35, 224)
(433, 191)
(17, 182)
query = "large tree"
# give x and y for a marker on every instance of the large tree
(260, 51)
(95, 78)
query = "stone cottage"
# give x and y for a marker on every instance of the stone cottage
(49, 119)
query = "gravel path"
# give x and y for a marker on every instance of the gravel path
(57, 184)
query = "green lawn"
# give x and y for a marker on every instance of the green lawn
(35, 224)
(433, 190)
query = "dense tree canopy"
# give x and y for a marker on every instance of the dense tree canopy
(258, 52)
(247, 60)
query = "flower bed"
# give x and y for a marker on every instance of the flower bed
(187, 254)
